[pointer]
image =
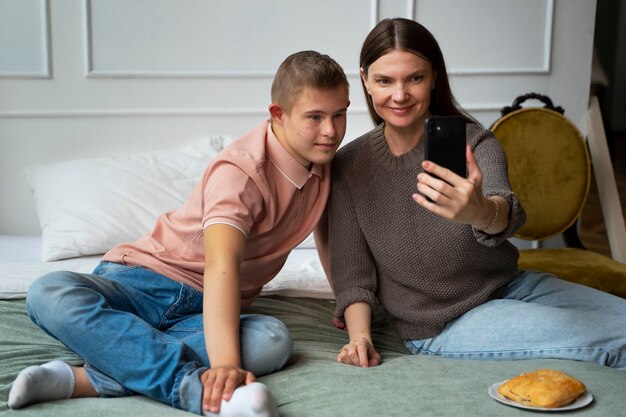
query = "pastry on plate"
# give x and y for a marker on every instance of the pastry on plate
(546, 388)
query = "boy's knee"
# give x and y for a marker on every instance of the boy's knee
(40, 294)
(281, 341)
(46, 283)
(267, 347)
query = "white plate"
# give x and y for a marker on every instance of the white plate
(580, 402)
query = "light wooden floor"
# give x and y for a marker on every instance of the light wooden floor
(592, 229)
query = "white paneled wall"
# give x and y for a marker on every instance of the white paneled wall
(222, 39)
(25, 39)
(84, 78)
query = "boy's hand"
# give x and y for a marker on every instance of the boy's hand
(359, 353)
(219, 383)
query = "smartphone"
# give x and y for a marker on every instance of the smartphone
(445, 143)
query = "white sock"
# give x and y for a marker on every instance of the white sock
(252, 400)
(48, 382)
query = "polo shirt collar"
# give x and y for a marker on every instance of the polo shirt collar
(286, 164)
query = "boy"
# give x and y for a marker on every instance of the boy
(161, 316)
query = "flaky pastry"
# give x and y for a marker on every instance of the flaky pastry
(547, 388)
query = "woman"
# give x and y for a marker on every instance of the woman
(436, 257)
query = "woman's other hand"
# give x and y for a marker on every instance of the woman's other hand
(338, 322)
(359, 353)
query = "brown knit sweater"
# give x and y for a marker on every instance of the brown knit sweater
(425, 270)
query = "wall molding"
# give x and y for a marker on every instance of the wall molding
(77, 113)
(547, 49)
(411, 10)
(91, 72)
(46, 71)
(374, 13)
(206, 112)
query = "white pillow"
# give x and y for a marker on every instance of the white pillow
(87, 206)
(308, 243)
(301, 276)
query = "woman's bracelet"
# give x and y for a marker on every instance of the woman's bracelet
(495, 216)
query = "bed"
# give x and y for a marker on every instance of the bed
(80, 221)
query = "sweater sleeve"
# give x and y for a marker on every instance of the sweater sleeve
(494, 167)
(352, 266)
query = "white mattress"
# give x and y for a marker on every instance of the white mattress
(21, 264)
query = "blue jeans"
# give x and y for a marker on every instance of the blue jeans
(540, 316)
(141, 332)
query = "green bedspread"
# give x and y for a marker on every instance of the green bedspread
(313, 384)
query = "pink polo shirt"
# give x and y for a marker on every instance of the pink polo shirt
(254, 185)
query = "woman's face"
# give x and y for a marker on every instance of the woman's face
(400, 84)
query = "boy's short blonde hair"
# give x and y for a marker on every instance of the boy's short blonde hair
(305, 69)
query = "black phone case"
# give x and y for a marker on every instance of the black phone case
(445, 143)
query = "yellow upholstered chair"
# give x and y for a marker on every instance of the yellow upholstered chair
(550, 171)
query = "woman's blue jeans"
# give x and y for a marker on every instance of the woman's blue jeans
(141, 332)
(540, 316)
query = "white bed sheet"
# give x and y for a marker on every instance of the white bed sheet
(21, 264)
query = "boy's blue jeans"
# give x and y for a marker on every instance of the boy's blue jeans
(141, 332)
(539, 316)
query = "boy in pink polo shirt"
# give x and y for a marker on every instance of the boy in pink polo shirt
(161, 316)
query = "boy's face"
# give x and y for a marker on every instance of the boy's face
(314, 127)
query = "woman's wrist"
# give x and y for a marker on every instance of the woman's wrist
(493, 218)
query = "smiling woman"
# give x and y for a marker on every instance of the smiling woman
(399, 84)
(431, 246)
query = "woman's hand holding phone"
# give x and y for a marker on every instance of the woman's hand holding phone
(452, 196)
